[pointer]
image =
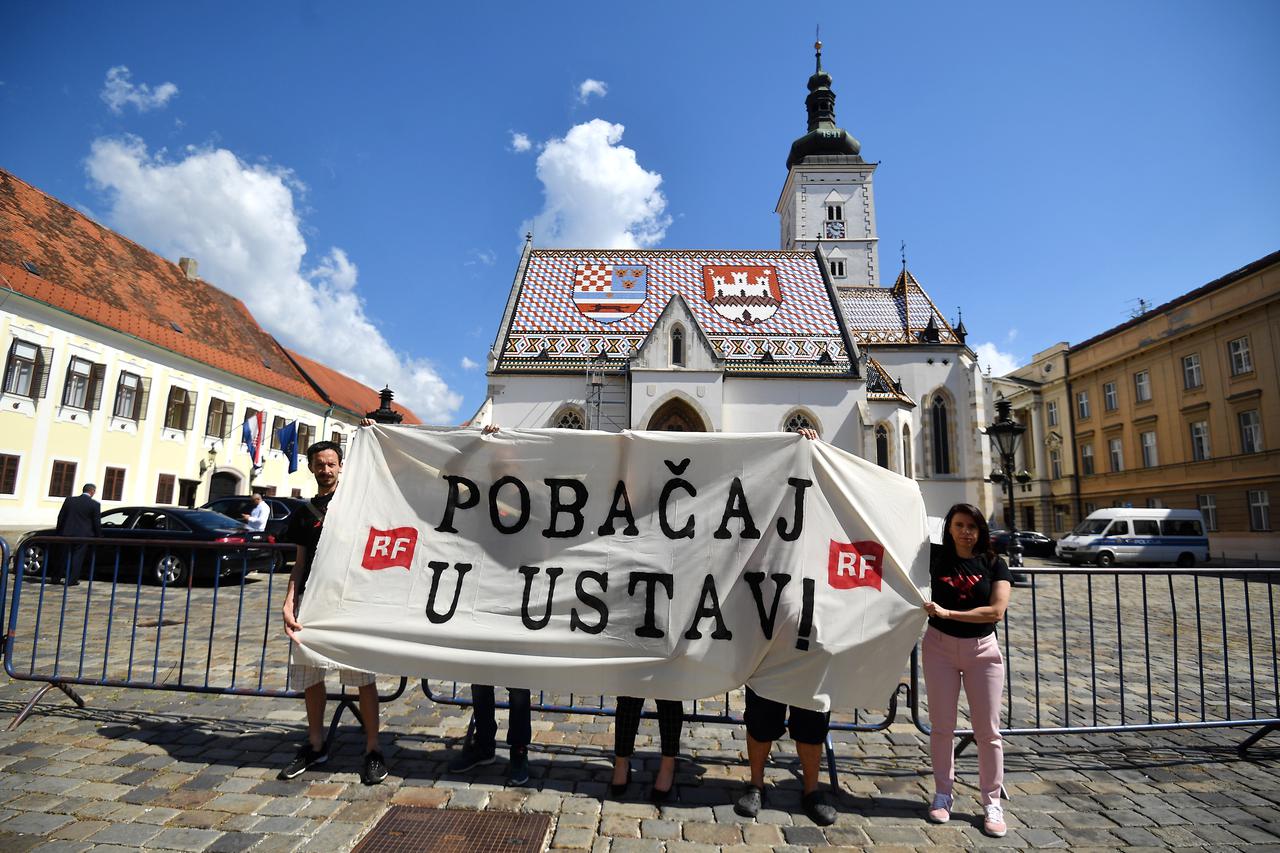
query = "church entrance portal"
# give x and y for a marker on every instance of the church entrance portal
(676, 416)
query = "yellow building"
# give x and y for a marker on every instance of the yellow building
(129, 371)
(1180, 407)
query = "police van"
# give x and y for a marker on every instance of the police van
(1130, 535)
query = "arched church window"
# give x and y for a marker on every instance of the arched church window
(570, 418)
(882, 446)
(797, 421)
(907, 469)
(677, 347)
(941, 442)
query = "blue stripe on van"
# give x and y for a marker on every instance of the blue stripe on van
(1171, 541)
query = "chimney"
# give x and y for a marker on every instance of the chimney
(188, 267)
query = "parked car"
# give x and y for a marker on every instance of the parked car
(237, 507)
(155, 563)
(1033, 544)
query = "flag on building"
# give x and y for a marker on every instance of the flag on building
(288, 435)
(255, 427)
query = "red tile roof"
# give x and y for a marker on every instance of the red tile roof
(343, 391)
(96, 274)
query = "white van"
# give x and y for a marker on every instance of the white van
(1129, 535)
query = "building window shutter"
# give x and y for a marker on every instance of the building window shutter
(9, 363)
(191, 410)
(97, 378)
(140, 407)
(43, 364)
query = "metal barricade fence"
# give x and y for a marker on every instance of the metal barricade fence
(218, 631)
(1134, 650)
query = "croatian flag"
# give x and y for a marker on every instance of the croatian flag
(255, 428)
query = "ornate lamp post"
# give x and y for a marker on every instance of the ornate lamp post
(384, 414)
(1005, 434)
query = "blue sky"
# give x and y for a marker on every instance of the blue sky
(359, 179)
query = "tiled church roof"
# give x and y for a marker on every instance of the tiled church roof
(894, 315)
(882, 386)
(794, 329)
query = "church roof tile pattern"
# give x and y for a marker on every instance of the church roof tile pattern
(882, 386)
(894, 315)
(763, 311)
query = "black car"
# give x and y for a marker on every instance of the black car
(236, 507)
(155, 563)
(1033, 544)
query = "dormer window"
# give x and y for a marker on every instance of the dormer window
(677, 347)
(835, 213)
(837, 268)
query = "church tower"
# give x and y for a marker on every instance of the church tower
(827, 202)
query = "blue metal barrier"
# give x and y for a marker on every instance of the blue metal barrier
(222, 634)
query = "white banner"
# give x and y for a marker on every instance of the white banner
(659, 564)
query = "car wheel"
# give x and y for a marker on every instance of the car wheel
(33, 559)
(170, 570)
(1186, 561)
(1106, 560)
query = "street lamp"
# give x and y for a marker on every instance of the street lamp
(1005, 434)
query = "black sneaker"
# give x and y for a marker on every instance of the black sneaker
(748, 805)
(818, 809)
(518, 771)
(374, 769)
(306, 758)
(472, 756)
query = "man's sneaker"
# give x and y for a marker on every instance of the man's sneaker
(994, 824)
(471, 756)
(306, 758)
(940, 811)
(815, 805)
(518, 771)
(374, 769)
(749, 803)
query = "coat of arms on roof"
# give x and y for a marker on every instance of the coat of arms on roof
(609, 292)
(744, 294)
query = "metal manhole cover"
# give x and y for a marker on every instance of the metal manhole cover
(413, 828)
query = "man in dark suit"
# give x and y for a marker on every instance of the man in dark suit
(79, 516)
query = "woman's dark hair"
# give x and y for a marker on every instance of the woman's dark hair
(321, 446)
(983, 546)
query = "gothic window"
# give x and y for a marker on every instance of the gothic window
(907, 469)
(570, 418)
(797, 421)
(677, 347)
(882, 446)
(939, 421)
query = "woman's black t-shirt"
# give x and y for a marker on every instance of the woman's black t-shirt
(958, 584)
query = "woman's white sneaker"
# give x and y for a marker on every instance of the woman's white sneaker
(994, 824)
(940, 811)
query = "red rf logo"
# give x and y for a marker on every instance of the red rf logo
(387, 548)
(852, 564)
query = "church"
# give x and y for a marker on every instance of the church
(755, 341)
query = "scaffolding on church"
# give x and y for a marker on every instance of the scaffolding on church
(606, 398)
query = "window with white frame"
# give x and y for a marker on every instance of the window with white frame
(1115, 452)
(835, 212)
(83, 385)
(1086, 459)
(180, 410)
(1082, 404)
(1142, 386)
(1110, 398)
(131, 396)
(837, 268)
(1199, 441)
(1059, 518)
(1055, 463)
(1051, 410)
(9, 474)
(677, 347)
(26, 369)
(1191, 375)
(1241, 360)
(1149, 458)
(1259, 509)
(1250, 431)
(1209, 510)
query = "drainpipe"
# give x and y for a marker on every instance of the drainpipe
(1071, 419)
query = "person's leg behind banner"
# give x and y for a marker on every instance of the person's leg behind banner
(670, 721)
(478, 748)
(626, 723)
(809, 731)
(766, 721)
(519, 733)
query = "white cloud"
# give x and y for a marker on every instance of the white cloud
(596, 194)
(1000, 363)
(520, 142)
(119, 91)
(468, 364)
(240, 222)
(483, 257)
(590, 87)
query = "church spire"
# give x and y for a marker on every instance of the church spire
(824, 136)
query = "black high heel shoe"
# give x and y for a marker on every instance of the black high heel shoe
(619, 790)
(657, 796)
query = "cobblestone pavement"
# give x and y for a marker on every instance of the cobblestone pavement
(186, 771)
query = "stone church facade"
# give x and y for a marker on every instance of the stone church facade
(754, 341)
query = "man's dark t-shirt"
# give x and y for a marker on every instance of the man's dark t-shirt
(304, 529)
(958, 584)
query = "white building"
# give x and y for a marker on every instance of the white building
(750, 341)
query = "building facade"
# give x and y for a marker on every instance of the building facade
(757, 340)
(128, 371)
